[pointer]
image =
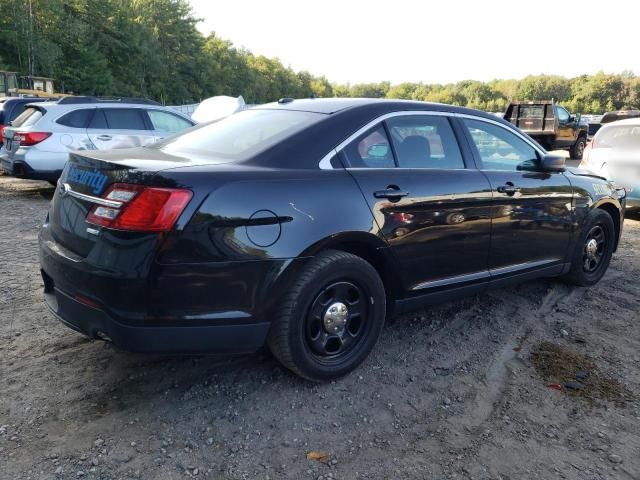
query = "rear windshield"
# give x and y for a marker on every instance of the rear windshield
(240, 135)
(29, 117)
(619, 136)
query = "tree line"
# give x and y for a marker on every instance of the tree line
(152, 48)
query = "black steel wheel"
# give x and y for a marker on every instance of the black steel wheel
(331, 317)
(593, 250)
(337, 321)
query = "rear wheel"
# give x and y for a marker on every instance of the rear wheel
(593, 250)
(577, 150)
(331, 318)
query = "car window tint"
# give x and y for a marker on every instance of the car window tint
(370, 150)
(29, 117)
(499, 149)
(124, 119)
(77, 118)
(240, 135)
(424, 142)
(167, 122)
(98, 121)
(563, 115)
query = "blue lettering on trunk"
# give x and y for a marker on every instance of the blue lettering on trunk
(93, 179)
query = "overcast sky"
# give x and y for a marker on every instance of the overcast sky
(432, 41)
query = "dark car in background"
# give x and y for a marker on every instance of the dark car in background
(551, 125)
(12, 107)
(303, 224)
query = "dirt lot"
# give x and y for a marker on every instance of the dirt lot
(450, 392)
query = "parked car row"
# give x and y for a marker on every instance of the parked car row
(37, 142)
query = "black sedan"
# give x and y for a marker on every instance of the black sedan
(303, 224)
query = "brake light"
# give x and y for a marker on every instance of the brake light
(27, 139)
(1, 133)
(139, 208)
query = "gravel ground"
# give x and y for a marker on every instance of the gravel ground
(449, 392)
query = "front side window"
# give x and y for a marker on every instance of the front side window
(167, 122)
(563, 115)
(125, 119)
(370, 150)
(425, 141)
(499, 148)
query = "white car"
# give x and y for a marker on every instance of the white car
(614, 153)
(38, 141)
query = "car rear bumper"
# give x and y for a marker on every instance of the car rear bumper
(21, 169)
(96, 323)
(216, 307)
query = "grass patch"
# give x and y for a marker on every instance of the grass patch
(558, 364)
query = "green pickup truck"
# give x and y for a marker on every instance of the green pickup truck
(549, 124)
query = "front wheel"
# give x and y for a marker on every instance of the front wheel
(577, 150)
(594, 249)
(331, 318)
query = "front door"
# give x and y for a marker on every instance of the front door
(532, 213)
(567, 127)
(428, 205)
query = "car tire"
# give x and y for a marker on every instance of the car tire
(577, 150)
(316, 342)
(593, 250)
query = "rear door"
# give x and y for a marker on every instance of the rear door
(120, 127)
(166, 123)
(532, 213)
(431, 204)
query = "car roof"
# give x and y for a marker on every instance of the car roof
(627, 121)
(334, 105)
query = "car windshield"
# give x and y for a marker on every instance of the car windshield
(241, 135)
(618, 136)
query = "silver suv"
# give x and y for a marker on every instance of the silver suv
(38, 142)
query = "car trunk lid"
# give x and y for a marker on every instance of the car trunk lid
(86, 178)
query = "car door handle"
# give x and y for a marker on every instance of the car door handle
(509, 189)
(104, 138)
(390, 193)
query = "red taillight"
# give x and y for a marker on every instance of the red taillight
(1, 133)
(28, 139)
(141, 209)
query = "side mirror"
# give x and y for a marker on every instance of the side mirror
(552, 163)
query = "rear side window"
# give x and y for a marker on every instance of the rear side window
(242, 134)
(77, 118)
(29, 117)
(425, 141)
(372, 149)
(125, 119)
(167, 122)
